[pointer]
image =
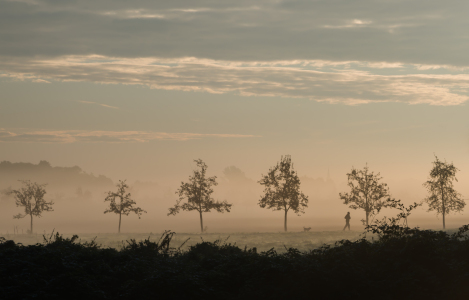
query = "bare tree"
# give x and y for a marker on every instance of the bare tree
(282, 189)
(198, 193)
(443, 197)
(31, 197)
(125, 205)
(366, 192)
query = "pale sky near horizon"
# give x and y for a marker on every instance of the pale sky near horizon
(139, 89)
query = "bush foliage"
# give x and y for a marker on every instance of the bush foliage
(399, 262)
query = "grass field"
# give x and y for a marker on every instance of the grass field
(263, 241)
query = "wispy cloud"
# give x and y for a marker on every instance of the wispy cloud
(342, 51)
(75, 136)
(133, 14)
(413, 31)
(100, 104)
(33, 2)
(356, 23)
(349, 82)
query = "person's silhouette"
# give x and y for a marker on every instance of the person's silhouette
(347, 221)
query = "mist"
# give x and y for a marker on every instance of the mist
(79, 204)
(234, 149)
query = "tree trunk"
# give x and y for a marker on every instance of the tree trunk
(120, 216)
(201, 222)
(367, 208)
(444, 225)
(31, 224)
(285, 222)
(444, 207)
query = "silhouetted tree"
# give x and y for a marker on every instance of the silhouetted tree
(443, 197)
(125, 205)
(198, 193)
(366, 192)
(405, 211)
(282, 189)
(31, 197)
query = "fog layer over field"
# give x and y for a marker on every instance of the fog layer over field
(138, 90)
(78, 198)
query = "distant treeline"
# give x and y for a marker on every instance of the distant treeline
(55, 177)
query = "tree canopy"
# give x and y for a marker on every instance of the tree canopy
(31, 198)
(366, 192)
(443, 198)
(198, 194)
(125, 205)
(282, 189)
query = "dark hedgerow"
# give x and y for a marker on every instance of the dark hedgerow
(400, 263)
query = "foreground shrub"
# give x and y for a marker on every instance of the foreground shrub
(399, 263)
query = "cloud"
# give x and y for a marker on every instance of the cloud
(100, 104)
(411, 32)
(32, 2)
(337, 51)
(40, 80)
(133, 14)
(349, 82)
(75, 136)
(350, 24)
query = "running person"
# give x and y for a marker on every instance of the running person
(347, 221)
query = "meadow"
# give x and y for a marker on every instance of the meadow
(263, 241)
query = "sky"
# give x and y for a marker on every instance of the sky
(139, 89)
